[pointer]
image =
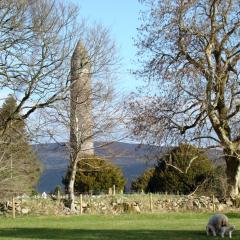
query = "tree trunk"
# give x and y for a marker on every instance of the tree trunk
(233, 173)
(71, 186)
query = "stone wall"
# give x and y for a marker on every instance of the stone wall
(118, 204)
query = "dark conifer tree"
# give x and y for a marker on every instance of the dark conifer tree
(19, 165)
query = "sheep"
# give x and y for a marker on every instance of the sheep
(227, 229)
(218, 224)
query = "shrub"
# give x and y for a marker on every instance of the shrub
(95, 175)
(216, 184)
(183, 169)
(141, 183)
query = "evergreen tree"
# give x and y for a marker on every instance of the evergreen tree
(141, 183)
(19, 166)
(182, 169)
(95, 174)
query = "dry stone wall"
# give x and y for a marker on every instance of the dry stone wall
(118, 204)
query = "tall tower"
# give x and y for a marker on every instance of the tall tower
(81, 123)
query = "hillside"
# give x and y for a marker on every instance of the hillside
(131, 158)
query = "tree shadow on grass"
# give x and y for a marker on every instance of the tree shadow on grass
(73, 234)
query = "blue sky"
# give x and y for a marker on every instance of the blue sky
(121, 17)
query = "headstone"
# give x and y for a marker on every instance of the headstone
(44, 195)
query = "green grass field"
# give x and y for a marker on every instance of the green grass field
(170, 226)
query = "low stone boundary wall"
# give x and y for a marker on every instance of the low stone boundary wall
(118, 204)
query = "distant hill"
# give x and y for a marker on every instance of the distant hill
(133, 159)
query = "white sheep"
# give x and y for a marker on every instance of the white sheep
(218, 224)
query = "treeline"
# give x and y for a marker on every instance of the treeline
(183, 170)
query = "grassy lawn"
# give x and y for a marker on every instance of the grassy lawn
(125, 227)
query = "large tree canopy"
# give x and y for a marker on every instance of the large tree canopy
(36, 42)
(190, 51)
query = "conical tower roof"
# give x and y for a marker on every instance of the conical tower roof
(80, 51)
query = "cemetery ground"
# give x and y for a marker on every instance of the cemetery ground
(174, 226)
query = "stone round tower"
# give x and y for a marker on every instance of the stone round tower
(81, 123)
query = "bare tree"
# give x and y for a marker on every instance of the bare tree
(37, 39)
(90, 110)
(190, 53)
(36, 43)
